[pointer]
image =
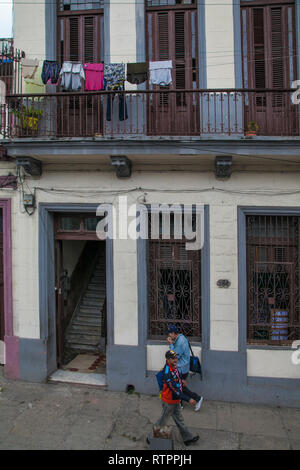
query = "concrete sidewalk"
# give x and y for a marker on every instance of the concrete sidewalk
(65, 416)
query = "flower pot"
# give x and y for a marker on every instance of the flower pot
(30, 122)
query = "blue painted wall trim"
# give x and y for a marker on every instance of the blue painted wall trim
(297, 21)
(51, 27)
(237, 44)
(140, 31)
(107, 32)
(202, 44)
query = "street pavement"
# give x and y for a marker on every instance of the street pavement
(75, 417)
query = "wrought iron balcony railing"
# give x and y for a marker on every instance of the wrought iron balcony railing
(188, 113)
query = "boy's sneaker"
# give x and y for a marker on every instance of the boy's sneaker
(198, 405)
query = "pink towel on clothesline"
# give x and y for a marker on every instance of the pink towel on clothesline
(94, 77)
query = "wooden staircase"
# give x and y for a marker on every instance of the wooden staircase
(85, 331)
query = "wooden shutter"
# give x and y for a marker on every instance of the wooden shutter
(81, 38)
(74, 39)
(163, 36)
(259, 48)
(173, 38)
(89, 38)
(270, 49)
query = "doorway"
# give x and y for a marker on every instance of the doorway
(80, 286)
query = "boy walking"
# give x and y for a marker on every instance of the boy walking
(171, 395)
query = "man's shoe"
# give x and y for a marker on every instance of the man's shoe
(198, 405)
(191, 441)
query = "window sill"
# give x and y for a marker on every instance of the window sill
(161, 342)
(272, 347)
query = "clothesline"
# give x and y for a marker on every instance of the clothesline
(99, 76)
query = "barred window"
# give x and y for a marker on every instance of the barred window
(273, 275)
(174, 286)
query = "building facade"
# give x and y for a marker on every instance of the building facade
(221, 139)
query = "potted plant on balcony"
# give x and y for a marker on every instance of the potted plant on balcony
(29, 118)
(252, 129)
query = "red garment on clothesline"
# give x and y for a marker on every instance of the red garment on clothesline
(94, 77)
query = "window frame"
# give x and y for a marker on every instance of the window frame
(201, 260)
(243, 212)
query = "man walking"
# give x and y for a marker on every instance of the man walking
(171, 395)
(179, 343)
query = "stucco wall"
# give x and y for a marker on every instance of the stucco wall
(219, 44)
(29, 28)
(122, 31)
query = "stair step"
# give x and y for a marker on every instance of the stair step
(87, 338)
(87, 333)
(83, 347)
(99, 272)
(82, 316)
(89, 309)
(97, 287)
(89, 323)
(93, 295)
(85, 312)
(90, 314)
(92, 304)
(85, 330)
(98, 280)
(92, 301)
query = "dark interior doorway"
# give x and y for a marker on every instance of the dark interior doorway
(80, 294)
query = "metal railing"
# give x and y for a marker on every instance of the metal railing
(189, 113)
(10, 66)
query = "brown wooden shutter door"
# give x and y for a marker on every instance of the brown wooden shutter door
(270, 64)
(171, 39)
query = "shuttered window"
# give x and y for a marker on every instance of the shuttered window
(172, 36)
(81, 38)
(269, 50)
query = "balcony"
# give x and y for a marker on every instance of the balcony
(140, 114)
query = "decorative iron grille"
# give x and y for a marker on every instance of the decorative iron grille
(273, 279)
(174, 287)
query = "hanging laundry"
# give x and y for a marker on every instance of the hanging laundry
(114, 76)
(123, 115)
(160, 72)
(71, 76)
(50, 71)
(137, 73)
(29, 67)
(94, 77)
